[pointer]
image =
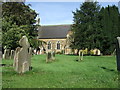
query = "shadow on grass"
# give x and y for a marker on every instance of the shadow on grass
(72, 55)
(107, 69)
(6, 65)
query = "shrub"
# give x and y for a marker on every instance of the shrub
(91, 52)
(58, 52)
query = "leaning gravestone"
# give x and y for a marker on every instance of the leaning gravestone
(12, 53)
(118, 53)
(6, 54)
(15, 63)
(80, 56)
(48, 57)
(22, 56)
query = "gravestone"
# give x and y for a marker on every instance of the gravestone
(12, 53)
(118, 53)
(15, 63)
(53, 55)
(6, 54)
(80, 55)
(22, 56)
(48, 57)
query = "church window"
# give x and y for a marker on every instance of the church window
(58, 45)
(49, 45)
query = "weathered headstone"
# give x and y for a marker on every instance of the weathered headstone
(22, 57)
(15, 63)
(6, 54)
(53, 55)
(48, 57)
(12, 53)
(118, 53)
(80, 55)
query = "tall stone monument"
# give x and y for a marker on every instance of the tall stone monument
(22, 56)
(118, 53)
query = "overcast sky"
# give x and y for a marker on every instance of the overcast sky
(55, 13)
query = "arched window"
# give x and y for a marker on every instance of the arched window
(58, 45)
(49, 45)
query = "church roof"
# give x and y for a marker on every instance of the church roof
(53, 31)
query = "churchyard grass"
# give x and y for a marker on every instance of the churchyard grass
(64, 72)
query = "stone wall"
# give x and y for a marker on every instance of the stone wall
(54, 45)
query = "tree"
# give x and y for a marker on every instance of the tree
(36, 43)
(96, 28)
(110, 28)
(18, 20)
(86, 28)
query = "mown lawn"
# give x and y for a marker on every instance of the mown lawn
(65, 72)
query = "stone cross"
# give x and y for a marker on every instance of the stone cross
(118, 53)
(22, 56)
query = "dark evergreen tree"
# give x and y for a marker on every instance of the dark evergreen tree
(96, 28)
(86, 26)
(110, 28)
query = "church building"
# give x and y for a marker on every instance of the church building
(56, 38)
